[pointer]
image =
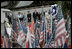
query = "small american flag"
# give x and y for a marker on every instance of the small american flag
(21, 35)
(32, 34)
(5, 39)
(60, 29)
(42, 34)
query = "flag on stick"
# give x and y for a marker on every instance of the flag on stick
(60, 29)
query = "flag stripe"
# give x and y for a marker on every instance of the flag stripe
(60, 33)
(40, 40)
(62, 28)
(61, 41)
(58, 28)
(60, 23)
(63, 34)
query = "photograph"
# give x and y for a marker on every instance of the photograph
(35, 24)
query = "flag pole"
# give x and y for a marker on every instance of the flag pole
(43, 18)
(4, 36)
(6, 45)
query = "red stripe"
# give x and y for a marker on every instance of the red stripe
(57, 43)
(16, 27)
(61, 35)
(61, 41)
(60, 24)
(20, 33)
(37, 32)
(22, 36)
(32, 37)
(24, 40)
(27, 44)
(60, 30)
(45, 35)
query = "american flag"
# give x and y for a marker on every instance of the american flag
(5, 39)
(28, 39)
(42, 34)
(21, 35)
(14, 33)
(37, 35)
(60, 29)
(32, 34)
(38, 29)
(36, 40)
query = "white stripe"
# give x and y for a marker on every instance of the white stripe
(40, 40)
(60, 32)
(67, 36)
(59, 42)
(41, 36)
(60, 27)
(18, 38)
(60, 21)
(22, 34)
(30, 41)
(63, 40)
(41, 33)
(23, 38)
